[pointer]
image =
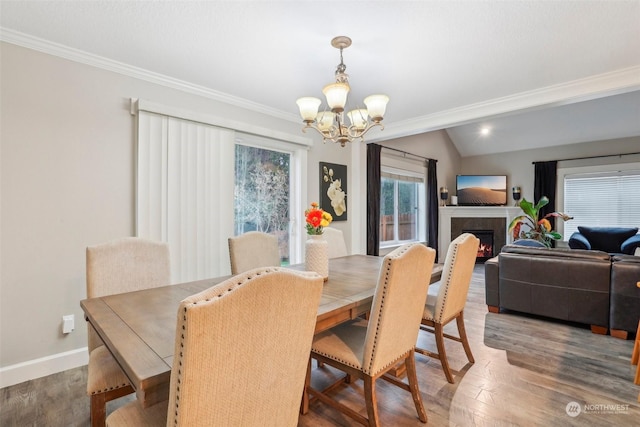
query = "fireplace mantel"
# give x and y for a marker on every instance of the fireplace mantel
(448, 212)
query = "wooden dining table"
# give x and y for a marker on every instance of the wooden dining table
(138, 327)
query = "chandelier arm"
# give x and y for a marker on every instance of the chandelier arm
(355, 133)
(310, 126)
(331, 133)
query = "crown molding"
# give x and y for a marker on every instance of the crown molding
(593, 87)
(76, 55)
(589, 88)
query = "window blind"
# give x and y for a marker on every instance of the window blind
(610, 199)
(184, 193)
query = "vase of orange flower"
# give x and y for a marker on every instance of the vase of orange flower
(316, 256)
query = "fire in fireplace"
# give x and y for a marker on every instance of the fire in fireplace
(485, 248)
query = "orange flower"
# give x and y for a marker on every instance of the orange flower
(316, 219)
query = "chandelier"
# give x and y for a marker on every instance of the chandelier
(331, 124)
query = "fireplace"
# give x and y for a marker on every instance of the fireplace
(486, 246)
(454, 219)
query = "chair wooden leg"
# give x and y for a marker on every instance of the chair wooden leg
(98, 410)
(463, 337)
(410, 363)
(635, 356)
(99, 404)
(442, 352)
(371, 400)
(304, 405)
(636, 348)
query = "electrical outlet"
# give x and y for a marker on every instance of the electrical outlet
(68, 323)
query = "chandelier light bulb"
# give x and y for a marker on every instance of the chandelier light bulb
(308, 108)
(336, 94)
(377, 106)
(358, 118)
(325, 120)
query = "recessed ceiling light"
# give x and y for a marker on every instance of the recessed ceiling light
(485, 131)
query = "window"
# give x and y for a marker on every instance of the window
(402, 208)
(603, 198)
(262, 193)
(187, 194)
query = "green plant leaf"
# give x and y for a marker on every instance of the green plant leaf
(544, 201)
(527, 208)
(554, 235)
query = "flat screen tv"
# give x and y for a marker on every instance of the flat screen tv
(481, 190)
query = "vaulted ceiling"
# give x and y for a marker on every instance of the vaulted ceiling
(537, 73)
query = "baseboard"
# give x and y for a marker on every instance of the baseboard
(32, 369)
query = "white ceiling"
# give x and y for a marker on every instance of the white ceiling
(539, 73)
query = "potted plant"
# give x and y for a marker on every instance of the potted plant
(538, 228)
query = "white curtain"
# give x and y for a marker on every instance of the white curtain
(185, 192)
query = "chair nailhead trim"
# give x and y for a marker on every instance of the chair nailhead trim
(104, 390)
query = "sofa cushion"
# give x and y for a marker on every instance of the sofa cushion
(608, 239)
(559, 253)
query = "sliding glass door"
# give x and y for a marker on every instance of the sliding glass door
(262, 193)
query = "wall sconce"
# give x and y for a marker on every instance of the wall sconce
(515, 192)
(444, 195)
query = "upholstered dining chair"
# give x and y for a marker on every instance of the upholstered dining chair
(252, 250)
(335, 242)
(121, 265)
(223, 336)
(368, 349)
(450, 301)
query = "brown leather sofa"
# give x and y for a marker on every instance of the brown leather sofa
(625, 295)
(565, 284)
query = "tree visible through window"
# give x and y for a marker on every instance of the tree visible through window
(262, 193)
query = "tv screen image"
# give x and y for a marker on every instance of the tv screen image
(481, 190)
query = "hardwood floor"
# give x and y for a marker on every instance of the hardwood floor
(527, 371)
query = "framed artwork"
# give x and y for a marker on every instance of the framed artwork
(333, 190)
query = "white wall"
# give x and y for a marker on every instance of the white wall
(67, 181)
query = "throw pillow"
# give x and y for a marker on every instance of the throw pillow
(607, 239)
(530, 243)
